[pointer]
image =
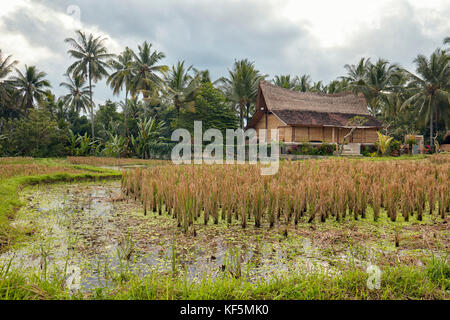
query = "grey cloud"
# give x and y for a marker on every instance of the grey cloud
(210, 35)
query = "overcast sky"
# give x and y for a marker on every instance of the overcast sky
(316, 37)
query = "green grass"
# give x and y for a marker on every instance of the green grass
(398, 282)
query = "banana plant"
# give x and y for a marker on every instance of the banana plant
(85, 145)
(73, 142)
(148, 138)
(115, 146)
(383, 143)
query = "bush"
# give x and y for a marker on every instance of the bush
(395, 148)
(367, 150)
(36, 135)
(324, 149)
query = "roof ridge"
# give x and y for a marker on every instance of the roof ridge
(281, 98)
(339, 94)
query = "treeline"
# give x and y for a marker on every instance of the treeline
(154, 99)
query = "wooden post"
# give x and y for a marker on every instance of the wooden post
(333, 138)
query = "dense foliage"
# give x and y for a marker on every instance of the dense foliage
(158, 99)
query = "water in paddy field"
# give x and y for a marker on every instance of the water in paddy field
(87, 231)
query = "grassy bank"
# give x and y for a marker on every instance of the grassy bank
(399, 282)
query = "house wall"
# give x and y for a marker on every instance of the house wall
(272, 123)
(319, 134)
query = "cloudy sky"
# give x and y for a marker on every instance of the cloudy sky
(316, 37)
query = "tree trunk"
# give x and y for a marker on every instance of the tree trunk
(92, 105)
(341, 149)
(127, 133)
(431, 123)
(241, 115)
(248, 113)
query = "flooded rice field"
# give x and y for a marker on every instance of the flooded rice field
(89, 230)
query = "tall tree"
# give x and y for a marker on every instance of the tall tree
(380, 81)
(429, 89)
(78, 98)
(31, 85)
(304, 83)
(181, 87)
(357, 74)
(286, 82)
(146, 70)
(121, 77)
(91, 62)
(241, 86)
(6, 67)
(374, 81)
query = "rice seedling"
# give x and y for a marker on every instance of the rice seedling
(301, 192)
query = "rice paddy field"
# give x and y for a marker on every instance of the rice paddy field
(103, 228)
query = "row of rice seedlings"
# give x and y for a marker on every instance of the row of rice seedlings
(300, 192)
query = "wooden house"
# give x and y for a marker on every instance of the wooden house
(312, 117)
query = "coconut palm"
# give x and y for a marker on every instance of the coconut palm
(31, 86)
(318, 87)
(121, 77)
(447, 40)
(146, 72)
(356, 74)
(304, 83)
(6, 67)
(241, 87)
(181, 87)
(429, 89)
(91, 62)
(203, 75)
(78, 98)
(285, 81)
(337, 86)
(381, 79)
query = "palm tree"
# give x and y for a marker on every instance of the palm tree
(203, 75)
(285, 81)
(318, 87)
(181, 87)
(122, 77)
(429, 90)
(304, 83)
(447, 40)
(241, 87)
(78, 97)
(381, 79)
(374, 81)
(356, 74)
(6, 67)
(337, 86)
(91, 62)
(31, 85)
(145, 70)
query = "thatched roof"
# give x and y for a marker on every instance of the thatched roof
(309, 108)
(312, 118)
(278, 98)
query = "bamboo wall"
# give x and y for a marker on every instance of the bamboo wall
(314, 134)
